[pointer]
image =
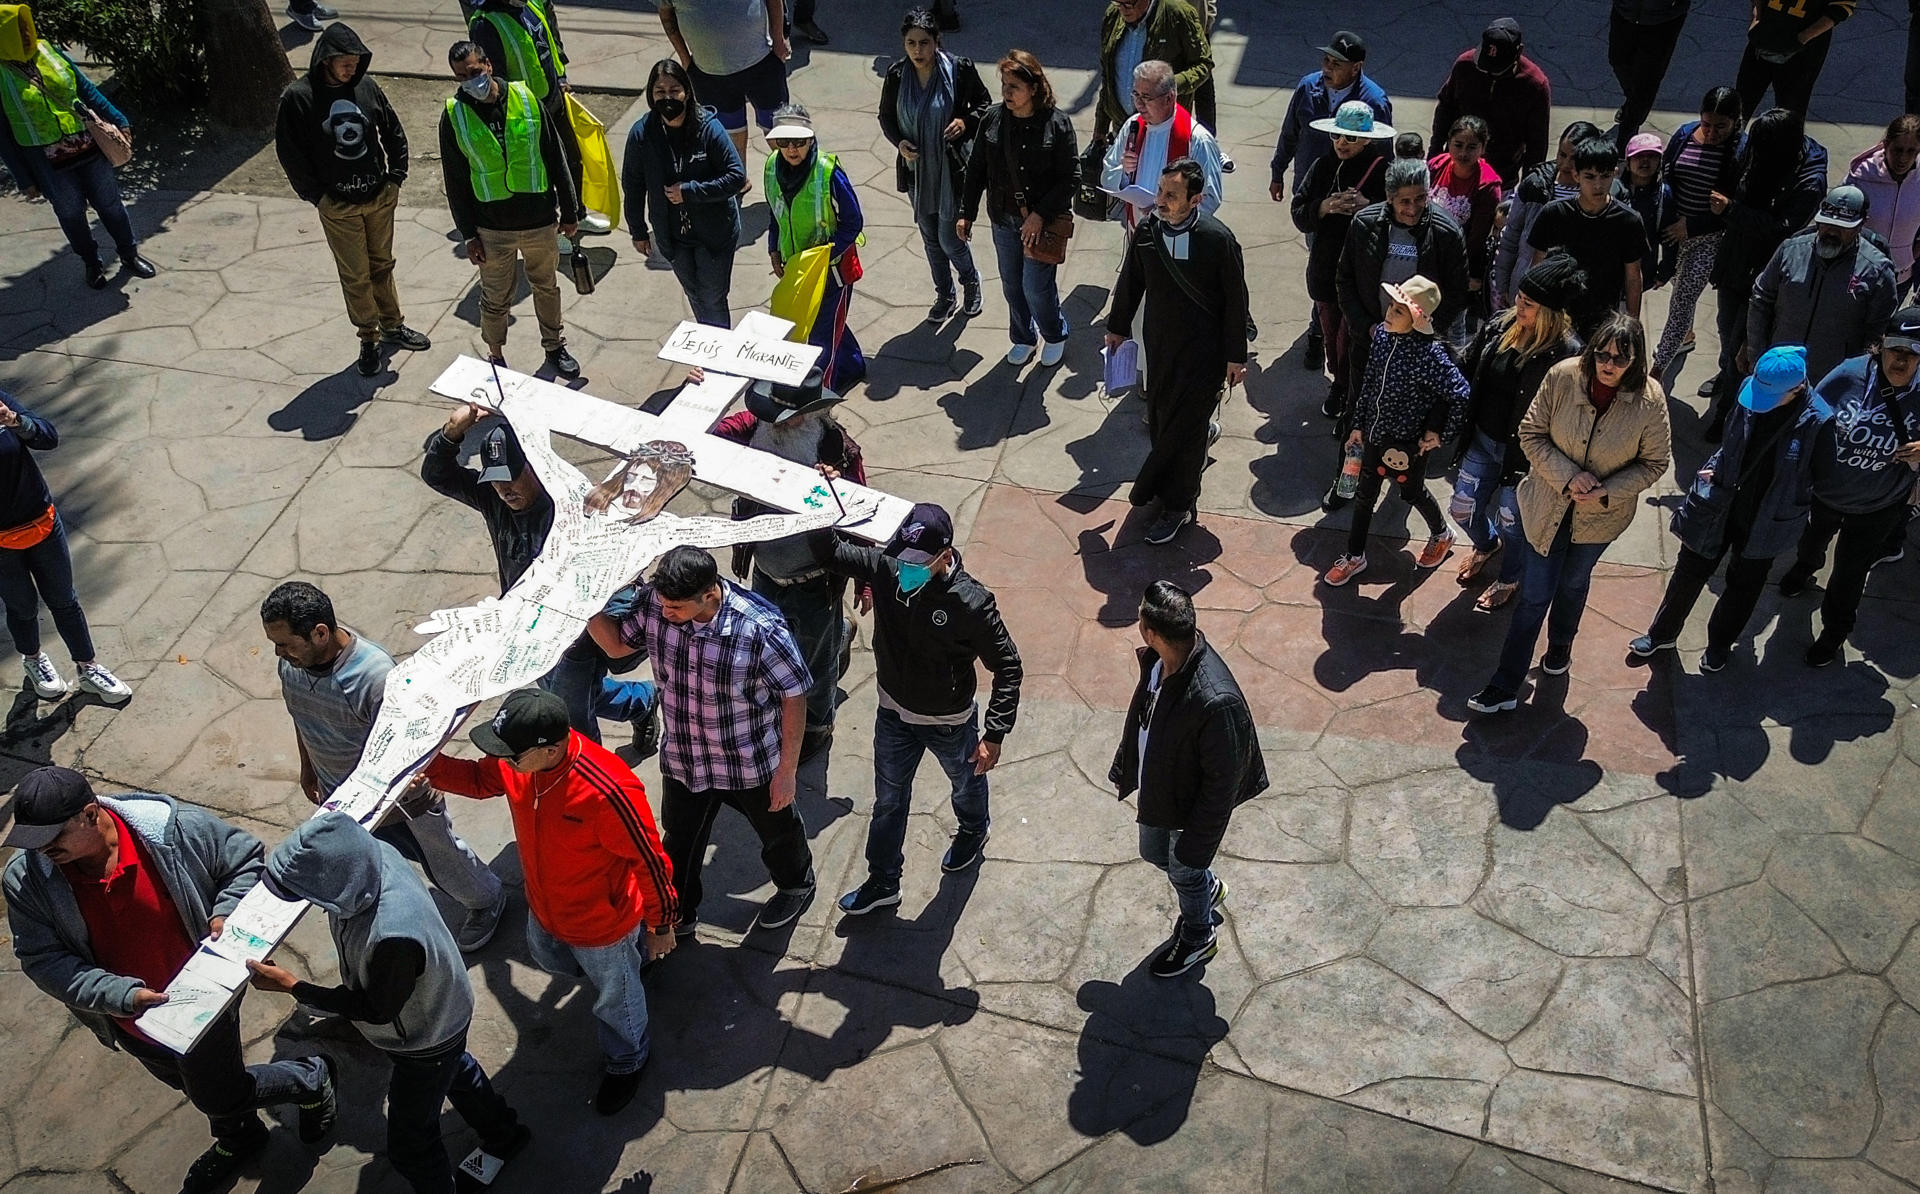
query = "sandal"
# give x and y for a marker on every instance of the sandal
(1496, 595)
(1475, 561)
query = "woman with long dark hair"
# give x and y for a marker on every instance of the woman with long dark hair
(1595, 438)
(1702, 160)
(682, 182)
(931, 105)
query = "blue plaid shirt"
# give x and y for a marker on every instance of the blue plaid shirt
(721, 684)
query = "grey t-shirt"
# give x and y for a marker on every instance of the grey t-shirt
(1403, 255)
(334, 712)
(724, 37)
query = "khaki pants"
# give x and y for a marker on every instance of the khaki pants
(361, 237)
(541, 249)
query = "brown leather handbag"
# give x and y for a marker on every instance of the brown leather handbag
(1050, 247)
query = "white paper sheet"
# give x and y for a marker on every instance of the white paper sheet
(741, 355)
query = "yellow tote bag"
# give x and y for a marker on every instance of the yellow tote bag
(798, 293)
(599, 184)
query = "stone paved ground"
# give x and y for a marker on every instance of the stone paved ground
(1651, 933)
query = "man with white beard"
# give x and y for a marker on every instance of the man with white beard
(794, 423)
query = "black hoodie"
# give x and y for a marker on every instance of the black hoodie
(340, 141)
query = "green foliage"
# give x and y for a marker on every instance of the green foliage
(150, 44)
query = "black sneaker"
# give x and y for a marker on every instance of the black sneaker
(96, 274)
(1493, 700)
(874, 893)
(139, 266)
(1645, 646)
(971, 303)
(214, 1171)
(1823, 651)
(646, 731)
(942, 309)
(1168, 525)
(316, 1118)
(482, 1166)
(1557, 660)
(369, 358)
(616, 1091)
(1219, 901)
(1315, 358)
(1794, 581)
(1183, 953)
(1331, 404)
(405, 337)
(1708, 386)
(563, 363)
(964, 852)
(1715, 658)
(784, 907)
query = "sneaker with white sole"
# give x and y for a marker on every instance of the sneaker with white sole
(1345, 569)
(1436, 550)
(1051, 351)
(104, 684)
(874, 893)
(1645, 645)
(595, 223)
(479, 924)
(310, 21)
(1492, 699)
(1019, 354)
(1183, 953)
(44, 679)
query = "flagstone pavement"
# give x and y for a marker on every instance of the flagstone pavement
(1653, 932)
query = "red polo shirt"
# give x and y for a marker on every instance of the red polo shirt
(131, 921)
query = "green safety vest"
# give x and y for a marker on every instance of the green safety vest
(497, 172)
(523, 57)
(809, 220)
(41, 114)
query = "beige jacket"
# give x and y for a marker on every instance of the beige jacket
(1563, 435)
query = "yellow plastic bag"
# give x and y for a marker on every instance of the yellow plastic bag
(798, 293)
(599, 182)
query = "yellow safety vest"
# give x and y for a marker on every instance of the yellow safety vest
(497, 171)
(523, 57)
(42, 113)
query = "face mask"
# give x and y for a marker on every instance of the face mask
(1828, 249)
(913, 576)
(669, 109)
(478, 86)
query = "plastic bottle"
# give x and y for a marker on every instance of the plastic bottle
(1349, 483)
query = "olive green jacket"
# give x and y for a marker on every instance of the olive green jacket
(1175, 35)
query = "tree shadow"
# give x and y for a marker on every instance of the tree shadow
(1141, 1051)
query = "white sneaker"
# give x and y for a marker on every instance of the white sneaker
(46, 681)
(1051, 351)
(310, 21)
(1019, 354)
(596, 223)
(104, 684)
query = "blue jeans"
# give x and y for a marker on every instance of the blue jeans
(947, 254)
(1032, 293)
(620, 1001)
(1553, 590)
(1486, 510)
(69, 189)
(421, 1083)
(897, 747)
(581, 680)
(705, 276)
(218, 1082)
(1192, 886)
(813, 614)
(43, 572)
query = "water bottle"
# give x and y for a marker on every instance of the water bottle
(1349, 483)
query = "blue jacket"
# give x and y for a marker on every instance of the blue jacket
(1701, 520)
(1302, 145)
(710, 177)
(1654, 203)
(1411, 386)
(23, 490)
(29, 168)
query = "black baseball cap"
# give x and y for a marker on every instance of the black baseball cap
(1902, 330)
(46, 799)
(500, 456)
(1346, 46)
(925, 534)
(528, 718)
(1499, 46)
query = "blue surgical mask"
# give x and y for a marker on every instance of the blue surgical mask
(478, 86)
(913, 576)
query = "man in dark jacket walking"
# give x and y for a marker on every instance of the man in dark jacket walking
(931, 624)
(1827, 287)
(518, 514)
(1190, 750)
(1502, 86)
(107, 898)
(405, 987)
(343, 149)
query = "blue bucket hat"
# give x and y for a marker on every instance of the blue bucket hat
(1779, 372)
(1355, 119)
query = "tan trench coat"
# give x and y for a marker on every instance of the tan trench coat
(1563, 435)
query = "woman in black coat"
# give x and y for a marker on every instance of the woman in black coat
(931, 105)
(1334, 187)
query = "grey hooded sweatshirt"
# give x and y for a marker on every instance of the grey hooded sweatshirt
(382, 919)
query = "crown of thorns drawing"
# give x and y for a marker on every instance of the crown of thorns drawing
(645, 482)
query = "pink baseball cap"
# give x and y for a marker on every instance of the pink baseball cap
(1645, 143)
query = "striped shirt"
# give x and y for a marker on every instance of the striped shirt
(333, 712)
(1696, 171)
(721, 684)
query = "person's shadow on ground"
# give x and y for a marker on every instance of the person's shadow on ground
(1141, 1051)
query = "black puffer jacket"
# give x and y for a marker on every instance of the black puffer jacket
(1203, 758)
(1366, 172)
(1443, 260)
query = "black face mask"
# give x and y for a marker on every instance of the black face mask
(669, 109)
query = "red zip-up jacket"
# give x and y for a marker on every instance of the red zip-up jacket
(588, 846)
